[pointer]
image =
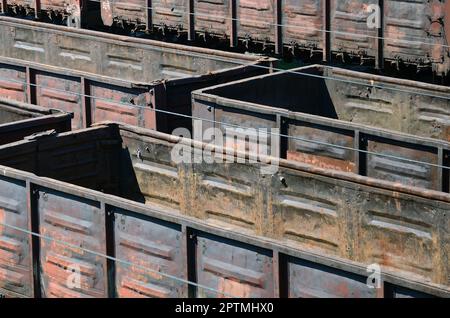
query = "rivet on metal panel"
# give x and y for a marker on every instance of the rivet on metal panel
(283, 181)
(193, 237)
(139, 154)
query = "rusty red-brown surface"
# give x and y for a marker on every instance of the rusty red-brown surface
(80, 223)
(71, 8)
(148, 243)
(16, 273)
(409, 33)
(100, 77)
(373, 127)
(337, 217)
(311, 236)
(344, 30)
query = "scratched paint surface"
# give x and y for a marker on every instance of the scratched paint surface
(358, 221)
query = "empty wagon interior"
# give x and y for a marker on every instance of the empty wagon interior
(11, 111)
(399, 105)
(311, 210)
(18, 120)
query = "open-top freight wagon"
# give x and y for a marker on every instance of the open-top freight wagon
(369, 32)
(415, 33)
(19, 120)
(101, 76)
(376, 126)
(114, 190)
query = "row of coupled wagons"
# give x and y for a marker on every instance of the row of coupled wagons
(380, 34)
(363, 175)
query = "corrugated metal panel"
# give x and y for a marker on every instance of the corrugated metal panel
(233, 268)
(148, 243)
(413, 173)
(430, 116)
(123, 61)
(232, 119)
(303, 23)
(60, 92)
(15, 247)
(328, 121)
(256, 20)
(310, 280)
(408, 21)
(116, 103)
(160, 181)
(16, 87)
(212, 17)
(382, 108)
(131, 59)
(133, 11)
(79, 222)
(416, 24)
(171, 13)
(351, 33)
(319, 153)
(228, 194)
(316, 223)
(310, 213)
(398, 233)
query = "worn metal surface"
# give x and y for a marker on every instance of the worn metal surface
(319, 223)
(410, 33)
(313, 213)
(328, 27)
(16, 274)
(81, 223)
(233, 268)
(111, 55)
(89, 97)
(18, 120)
(326, 119)
(71, 10)
(310, 280)
(110, 71)
(148, 243)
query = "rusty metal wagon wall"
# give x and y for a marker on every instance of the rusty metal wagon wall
(71, 12)
(407, 33)
(223, 226)
(333, 118)
(18, 120)
(412, 33)
(99, 76)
